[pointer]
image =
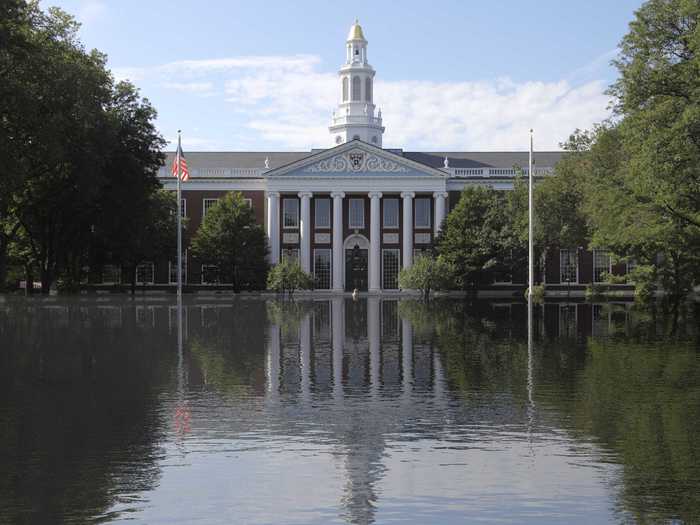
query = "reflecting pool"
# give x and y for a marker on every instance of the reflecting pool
(338, 411)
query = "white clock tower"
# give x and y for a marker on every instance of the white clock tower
(355, 117)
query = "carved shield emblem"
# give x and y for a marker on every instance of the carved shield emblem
(356, 161)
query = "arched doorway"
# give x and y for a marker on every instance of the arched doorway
(356, 262)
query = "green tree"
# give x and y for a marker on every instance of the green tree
(288, 277)
(650, 205)
(560, 220)
(230, 238)
(137, 221)
(425, 274)
(475, 237)
(60, 146)
(154, 234)
(76, 149)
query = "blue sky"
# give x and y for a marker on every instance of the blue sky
(455, 75)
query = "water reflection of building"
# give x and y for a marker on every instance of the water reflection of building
(343, 345)
(351, 353)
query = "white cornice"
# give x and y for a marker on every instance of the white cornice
(355, 144)
(231, 184)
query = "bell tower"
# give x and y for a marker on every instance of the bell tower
(355, 116)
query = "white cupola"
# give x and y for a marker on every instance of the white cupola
(355, 117)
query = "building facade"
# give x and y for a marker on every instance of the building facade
(352, 214)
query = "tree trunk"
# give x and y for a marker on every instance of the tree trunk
(132, 269)
(234, 278)
(46, 279)
(29, 280)
(3, 266)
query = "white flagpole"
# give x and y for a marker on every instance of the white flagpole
(530, 210)
(179, 221)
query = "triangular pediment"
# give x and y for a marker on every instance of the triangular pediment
(355, 158)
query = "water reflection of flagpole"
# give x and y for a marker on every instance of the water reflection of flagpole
(182, 411)
(530, 366)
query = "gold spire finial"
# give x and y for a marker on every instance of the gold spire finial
(356, 31)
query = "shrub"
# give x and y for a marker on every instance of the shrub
(537, 293)
(287, 277)
(615, 279)
(425, 274)
(594, 291)
(644, 279)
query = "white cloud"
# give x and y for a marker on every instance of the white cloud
(286, 102)
(90, 11)
(200, 88)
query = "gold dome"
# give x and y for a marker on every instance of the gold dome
(356, 32)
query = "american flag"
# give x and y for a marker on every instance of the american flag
(181, 162)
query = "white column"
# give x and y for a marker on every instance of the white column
(374, 336)
(407, 247)
(440, 197)
(305, 357)
(338, 241)
(374, 242)
(338, 339)
(305, 231)
(406, 356)
(273, 226)
(272, 366)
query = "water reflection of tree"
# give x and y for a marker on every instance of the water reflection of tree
(227, 351)
(643, 401)
(636, 389)
(79, 420)
(480, 348)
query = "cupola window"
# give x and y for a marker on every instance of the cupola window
(356, 87)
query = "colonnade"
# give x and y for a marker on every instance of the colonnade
(374, 260)
(338, 348)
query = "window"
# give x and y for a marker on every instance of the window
(502, 273)
(210, 274)
(111, 274)
(368, 89)
(422, 218)
(390, 217)
(183, 208)
(374, 139)
(172, 270)
(291, 254)
(338, 139)
(208, 203)
(356, 87)
(601, 265)
(290, 213)
(345, 89)
(567, 320)
(322, 213)
(145, 315)
(356, 214)
(390, 320)
(390, 269)
(249, 203)
(322, 269)
(419, 252)
(145, 273)
(568, 266)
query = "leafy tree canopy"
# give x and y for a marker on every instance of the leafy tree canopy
(230, 238)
